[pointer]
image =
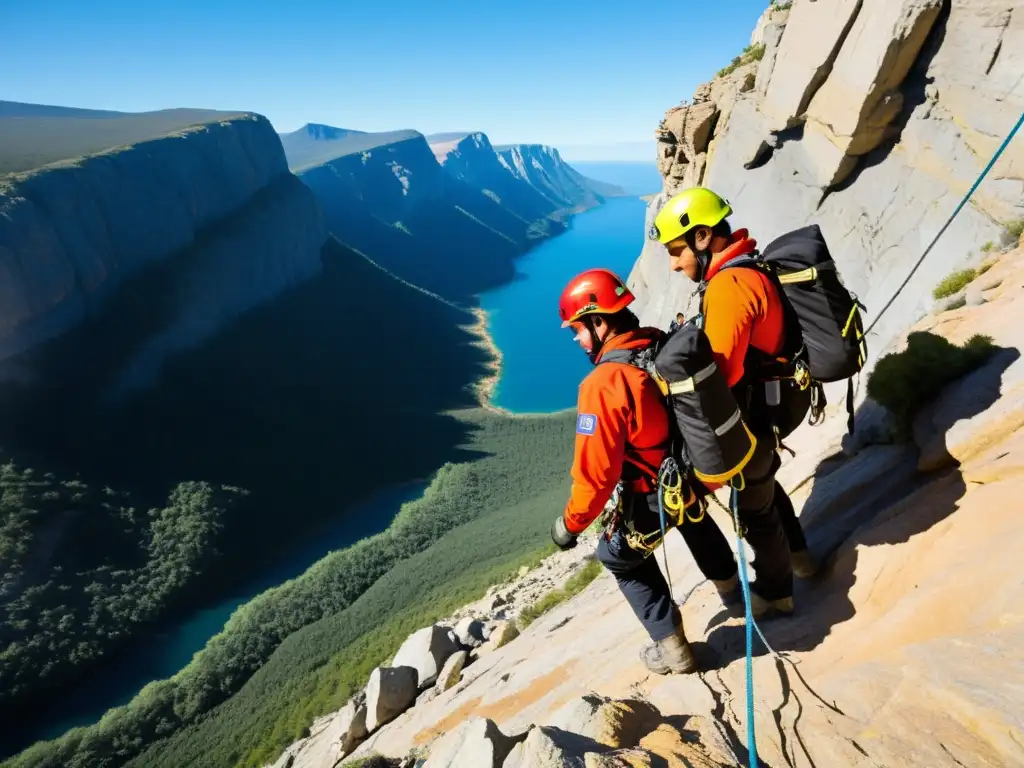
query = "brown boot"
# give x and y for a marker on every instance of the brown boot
(804, 564)
(729, 591)
(673, 654)
(759, 607)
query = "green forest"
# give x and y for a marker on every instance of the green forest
(120, 515)
(84, 566)
(313, 641)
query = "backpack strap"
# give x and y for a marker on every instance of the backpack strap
(642, 358)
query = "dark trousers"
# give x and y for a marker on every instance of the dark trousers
(772, 530)
(641, 580)
(759, 515)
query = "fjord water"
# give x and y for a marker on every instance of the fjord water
(165, 652)
(541, 364)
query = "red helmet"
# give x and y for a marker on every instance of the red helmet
(593, 291)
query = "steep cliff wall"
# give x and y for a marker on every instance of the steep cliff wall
(394, 203)
(474, 160)
(221, 193)
(543, 168)
(871, 119)
(449, 215)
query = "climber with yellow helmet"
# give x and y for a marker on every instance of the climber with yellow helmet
(744, 318)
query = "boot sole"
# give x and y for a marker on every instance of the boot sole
(680, 670)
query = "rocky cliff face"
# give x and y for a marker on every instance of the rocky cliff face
(869, 118)
(217, 196)
(544, 169)
(905, 651)
(531, 181)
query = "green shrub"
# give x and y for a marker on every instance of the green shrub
(1012, 231)
(954, 282)
(987, 247)
(749, 54)
(903, 382)
(576, 584)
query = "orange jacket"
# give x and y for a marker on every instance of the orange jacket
(620, 418)
(741, 309)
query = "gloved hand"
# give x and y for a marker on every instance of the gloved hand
(561, 536)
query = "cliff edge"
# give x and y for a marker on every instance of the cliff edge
(72, 232)
(904, 651)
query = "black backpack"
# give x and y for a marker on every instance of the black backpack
(708, 434)
(824, 329)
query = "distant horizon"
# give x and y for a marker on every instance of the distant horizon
(597, 78)
(609, 152)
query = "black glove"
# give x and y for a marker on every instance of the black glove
(561, 536)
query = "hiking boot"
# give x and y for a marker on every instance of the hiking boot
(729, 590)
(804, 564)
(760, 607)
(673, 654)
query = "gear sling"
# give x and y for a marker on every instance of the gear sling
(709, 439)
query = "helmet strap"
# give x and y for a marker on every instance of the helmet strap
(595, 350)
(703, 257)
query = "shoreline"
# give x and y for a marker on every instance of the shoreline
(484, 387)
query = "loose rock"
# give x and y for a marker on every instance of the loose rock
(390, 692)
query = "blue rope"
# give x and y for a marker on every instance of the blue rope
(751, 736)
(963, 202)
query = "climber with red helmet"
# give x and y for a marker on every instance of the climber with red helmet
(622, 435)
(743, 316)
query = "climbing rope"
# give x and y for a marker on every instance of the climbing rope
(963, 202)
(750, 624)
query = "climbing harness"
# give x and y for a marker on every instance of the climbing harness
(672, 504)
(999, 151)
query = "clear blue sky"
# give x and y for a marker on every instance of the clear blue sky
(561, 72)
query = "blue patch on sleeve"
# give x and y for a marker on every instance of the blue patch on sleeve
(586, 423)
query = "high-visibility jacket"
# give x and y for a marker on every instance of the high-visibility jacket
(622, 431)
(742, 309)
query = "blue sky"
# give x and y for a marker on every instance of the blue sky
(567, 73)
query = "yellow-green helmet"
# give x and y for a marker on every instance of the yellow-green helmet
(688, 209)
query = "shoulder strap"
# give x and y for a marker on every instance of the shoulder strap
(641, 357)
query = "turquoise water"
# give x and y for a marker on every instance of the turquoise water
(162, 655)
(541, 365)
(635, 178)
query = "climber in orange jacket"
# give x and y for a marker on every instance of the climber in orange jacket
(622, 435)
(743, 318)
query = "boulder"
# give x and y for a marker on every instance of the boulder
(547, 747)
(688, 748)
(476, 743)
(611, 723)
(471, 632)
(331, 738)
(772, 41)
(504, 632)
(390, 691)
(426, 651)
(452, 671)
(350, 724)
